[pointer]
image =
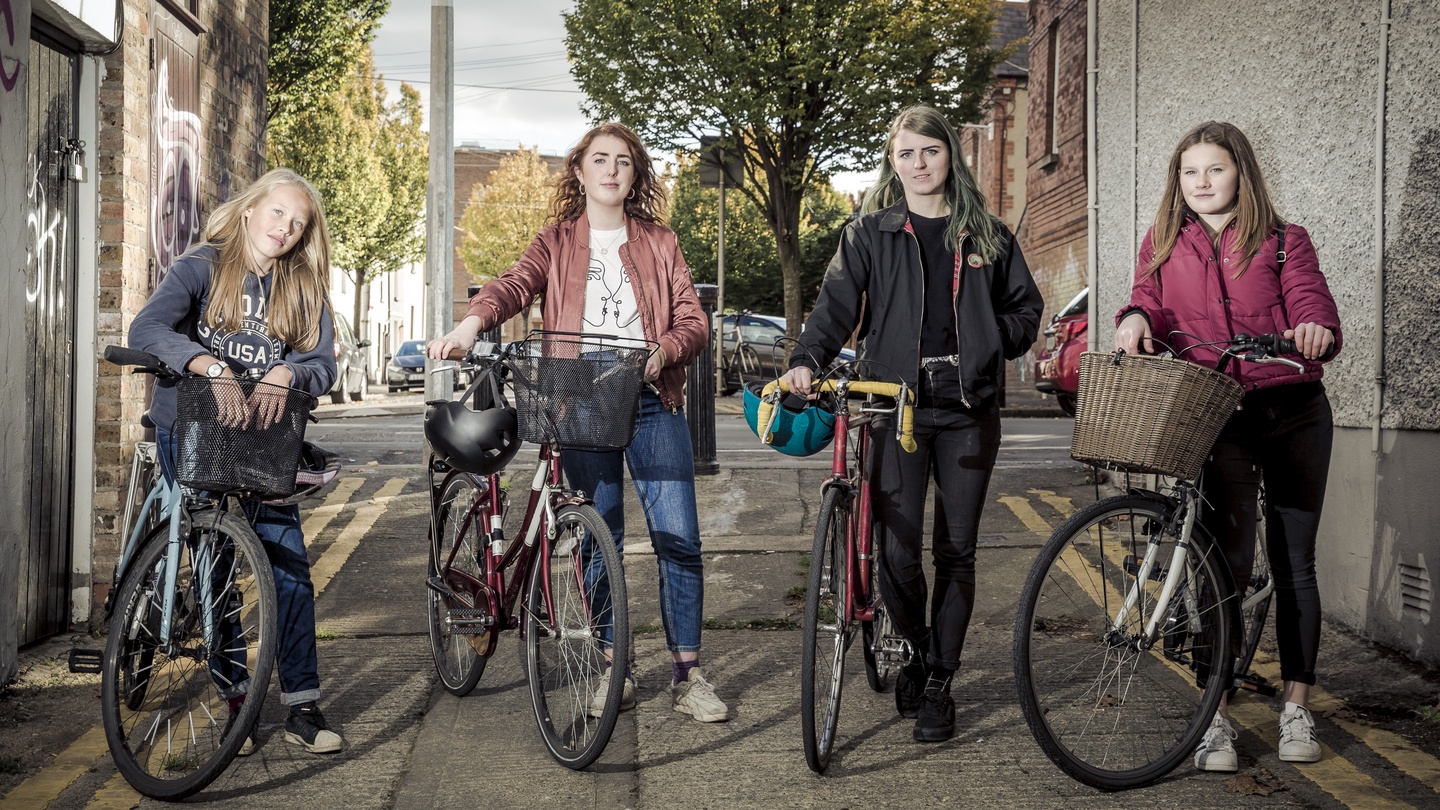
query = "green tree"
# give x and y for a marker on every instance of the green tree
(314, 45)
(753, 279)
(810, 85)
(503, 215)
(369, 160)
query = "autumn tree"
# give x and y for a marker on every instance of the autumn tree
(809, 85)
(369, 160)
(753, 279)
(504, 214)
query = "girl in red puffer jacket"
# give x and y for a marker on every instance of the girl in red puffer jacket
(1220, 261)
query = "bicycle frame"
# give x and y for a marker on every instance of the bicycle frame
(547, 495)
(859, 533)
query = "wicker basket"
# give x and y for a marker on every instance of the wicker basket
(1149, 414)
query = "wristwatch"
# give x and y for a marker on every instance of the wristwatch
(215, 370)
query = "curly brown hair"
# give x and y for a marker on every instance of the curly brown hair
(646, 200)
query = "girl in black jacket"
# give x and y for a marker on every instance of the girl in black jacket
(925, 246)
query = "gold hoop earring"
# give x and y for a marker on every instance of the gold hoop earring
(582, 191)
(631, 195)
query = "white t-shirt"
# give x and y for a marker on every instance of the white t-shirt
(610, 305)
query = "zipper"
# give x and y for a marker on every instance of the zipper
(955, 310)
(647, 316)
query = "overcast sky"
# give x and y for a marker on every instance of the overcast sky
(512, 82)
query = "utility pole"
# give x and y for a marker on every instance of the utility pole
(440, 199)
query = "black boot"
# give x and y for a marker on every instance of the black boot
(909, 687)
(936, 721)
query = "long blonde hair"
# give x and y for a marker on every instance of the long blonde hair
(1254, 215)
(300, 292)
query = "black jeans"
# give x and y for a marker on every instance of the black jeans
(1282, 435)
(958, 448)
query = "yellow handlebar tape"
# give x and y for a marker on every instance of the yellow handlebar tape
(884, 389)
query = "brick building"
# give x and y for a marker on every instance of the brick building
(1053, 234)
(135, 128)
(473, 165)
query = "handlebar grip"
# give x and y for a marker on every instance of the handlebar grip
(907, 409)
(125, 356)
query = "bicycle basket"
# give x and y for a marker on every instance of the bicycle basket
(1149, 414)
(214, 455)
(581, 392)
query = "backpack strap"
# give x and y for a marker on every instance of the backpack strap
(1280, 250)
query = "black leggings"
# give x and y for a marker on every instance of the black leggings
(958, 447)
(1282, 435)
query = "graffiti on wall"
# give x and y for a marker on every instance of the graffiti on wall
(45, 253)
(9, 65)
(175, 211)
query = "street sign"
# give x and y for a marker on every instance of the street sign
(713, 155)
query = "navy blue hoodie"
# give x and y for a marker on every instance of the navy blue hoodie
(172, 327)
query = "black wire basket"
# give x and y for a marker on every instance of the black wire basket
(222, 443)
(581, 392)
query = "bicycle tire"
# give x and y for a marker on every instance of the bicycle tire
(1074, 669)
(825, 634)
(585, 581)
(179, 737)
(458, 658)
(873, 675)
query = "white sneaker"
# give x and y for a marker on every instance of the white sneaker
(1297, 735)
(1216, 752)
(602, 688)
(696, 697)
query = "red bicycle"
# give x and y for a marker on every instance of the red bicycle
(841, 596)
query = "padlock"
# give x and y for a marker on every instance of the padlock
(76, 171)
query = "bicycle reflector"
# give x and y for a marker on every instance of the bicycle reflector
(798, 427)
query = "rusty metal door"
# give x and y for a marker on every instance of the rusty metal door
(50, 332)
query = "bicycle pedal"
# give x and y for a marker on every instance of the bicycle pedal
(464, 621)
(1257, 684)
(85, 660)
(1132, 567)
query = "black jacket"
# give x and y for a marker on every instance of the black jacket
(997, 309)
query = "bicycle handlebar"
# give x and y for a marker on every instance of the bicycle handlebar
(147, 363)
(885, 389)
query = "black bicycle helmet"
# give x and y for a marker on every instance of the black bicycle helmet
(475, 441)
(317, 468)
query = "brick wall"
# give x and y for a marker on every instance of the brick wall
(232, 59)
(1054, 234)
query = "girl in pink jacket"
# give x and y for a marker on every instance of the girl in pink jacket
(1220, 261)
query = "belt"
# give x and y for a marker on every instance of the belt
(944, 359)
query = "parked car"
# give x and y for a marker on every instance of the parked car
(764, 355)
(405, 369)
(1057, 369)
(351, 376)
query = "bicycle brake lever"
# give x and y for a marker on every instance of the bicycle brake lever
(1258, 357)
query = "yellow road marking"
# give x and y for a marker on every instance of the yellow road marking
(339, 551)
(1395, 749)
(1059, 504)
(1027, 514)
(321, 515)
(43, 788)
(1333, 774)
(115, 794)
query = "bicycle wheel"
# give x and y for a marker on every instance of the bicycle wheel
(173, 736)
(575, 613)
(457, 646)
(1111, 710)
(749, 361)
(826, 633)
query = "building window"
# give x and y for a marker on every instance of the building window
(1053, 125)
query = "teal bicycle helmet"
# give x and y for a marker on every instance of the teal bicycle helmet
(797, 427)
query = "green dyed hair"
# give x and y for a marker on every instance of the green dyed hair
(967, 203)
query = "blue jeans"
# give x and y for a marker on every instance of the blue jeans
(662, 466)
(278, 528)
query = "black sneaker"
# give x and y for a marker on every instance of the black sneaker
(249, 746)
(936, 722)
(306, 727)
(909, 687)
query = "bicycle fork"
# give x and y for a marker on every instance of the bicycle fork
(1178, 570)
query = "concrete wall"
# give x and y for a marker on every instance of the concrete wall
(14, 405)
(1302, 80)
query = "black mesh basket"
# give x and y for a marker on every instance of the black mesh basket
(221, 444)
(581, 392)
